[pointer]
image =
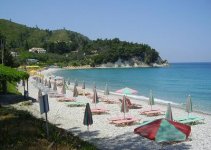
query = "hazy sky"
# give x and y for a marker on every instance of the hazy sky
(180, 30)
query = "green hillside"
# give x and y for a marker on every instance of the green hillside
(71, 48)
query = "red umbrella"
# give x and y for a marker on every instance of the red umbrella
(164, 130)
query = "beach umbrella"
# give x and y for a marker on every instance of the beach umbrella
(106, 91)
(76, 83)
(23, 83)
(83, 85)
(87, 116)
(127, 91)
(95, 97)
(46, 82)
(54, 86)
(164, 130)
(63, 90)
(124, 106)
(75, 91)
(151, 99)
(39, 97)
(189, 108)
(169, 112)
(49, 83)
(68, 81)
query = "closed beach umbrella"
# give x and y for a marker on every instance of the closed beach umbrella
(189, 108)
(87, 116)
(49, 83)
(76, 83)
(46, 82)
(151, 99)
(63, 91)
(68, 81)
(54, 86)
(23, 83)
(169, 112)
(124, 106)
(127, 91)
(83, 85)
(75, 91)
(39, 97)
(95, 97)
(163, 130)
(106, 91)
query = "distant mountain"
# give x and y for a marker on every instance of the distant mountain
(75, 48)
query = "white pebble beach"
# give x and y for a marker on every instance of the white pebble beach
(108, 136)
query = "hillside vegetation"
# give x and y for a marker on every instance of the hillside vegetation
(71, 48)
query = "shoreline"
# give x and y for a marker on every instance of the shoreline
(51, 71)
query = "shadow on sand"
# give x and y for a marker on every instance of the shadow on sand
(126, 141)
(12, 99)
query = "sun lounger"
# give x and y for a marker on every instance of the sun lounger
(150, 113)
(190, 120)
(109, 101)
(131, 105)
(66, 99)
(76, 104)
(99, 111)
(56, 95)
(119, 118)
(125, 122)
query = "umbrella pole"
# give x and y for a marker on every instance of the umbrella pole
(151, 107)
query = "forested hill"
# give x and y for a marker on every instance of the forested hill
(72, 48)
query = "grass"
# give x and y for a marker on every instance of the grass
(20, 130)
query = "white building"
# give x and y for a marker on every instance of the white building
(37, 50)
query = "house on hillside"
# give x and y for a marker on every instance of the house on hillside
(37, 50)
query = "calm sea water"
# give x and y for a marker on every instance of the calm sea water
(173, 83)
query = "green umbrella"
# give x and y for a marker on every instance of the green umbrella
(169, 112)
(87, 116)
(189, 108)
(151, 99)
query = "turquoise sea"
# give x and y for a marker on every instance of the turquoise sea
(173, 83)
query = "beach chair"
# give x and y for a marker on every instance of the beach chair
(125, 122)
(119, 118)
(153, 112)
(190, 120)
(76, 104)
(131, 105)
(99, 111)
(66, 99)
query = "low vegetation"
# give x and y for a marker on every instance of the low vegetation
(20, 130)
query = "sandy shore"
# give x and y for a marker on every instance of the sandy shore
(108, 136)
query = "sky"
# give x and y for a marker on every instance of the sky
(180, 30)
